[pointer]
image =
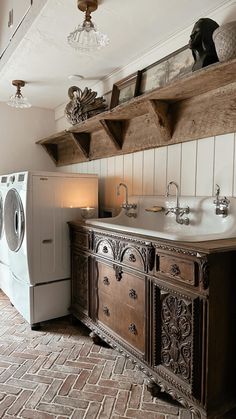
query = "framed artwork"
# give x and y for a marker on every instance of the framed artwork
(125, 89)
(168, 68)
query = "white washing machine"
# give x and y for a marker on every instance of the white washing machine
(37, 207)
(5, 278)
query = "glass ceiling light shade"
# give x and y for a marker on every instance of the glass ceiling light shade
(86, 38)
(18, 100)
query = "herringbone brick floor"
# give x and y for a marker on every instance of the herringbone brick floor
(58, 372)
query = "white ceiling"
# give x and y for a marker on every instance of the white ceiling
(45, 61)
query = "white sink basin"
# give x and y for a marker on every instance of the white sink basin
(204, 223)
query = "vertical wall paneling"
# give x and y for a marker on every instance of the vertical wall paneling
(188, 168)
(138, 173)
(160, 171)
(148, 172)
(128, 172)
(224, 162)
(102, 183)
(97, 167)
(204, 176)
(110, 192)
(119, 176)
(174, 163)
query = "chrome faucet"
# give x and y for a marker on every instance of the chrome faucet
(177, 210)
(126, 206)
(222, 204)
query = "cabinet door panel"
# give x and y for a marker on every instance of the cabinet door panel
(20, 9)
(178, 339)
(80, 272)
(5, 31)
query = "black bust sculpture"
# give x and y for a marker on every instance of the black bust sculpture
(201, 43)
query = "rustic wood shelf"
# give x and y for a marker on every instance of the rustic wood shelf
(198, 105)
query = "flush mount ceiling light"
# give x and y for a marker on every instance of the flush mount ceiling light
(86, 38)
(18, 100)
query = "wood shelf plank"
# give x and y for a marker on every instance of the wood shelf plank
(169, 114)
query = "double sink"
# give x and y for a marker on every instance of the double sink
(154, 217)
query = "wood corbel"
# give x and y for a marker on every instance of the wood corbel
(158, 110)
(82, 140)
(114, 129)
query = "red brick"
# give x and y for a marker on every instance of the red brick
(81, 380)
(19, 402)
(121, 402)
(52, 391)
(68, 383)
(36, 396)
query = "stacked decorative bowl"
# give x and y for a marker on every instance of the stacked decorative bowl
(224, 38)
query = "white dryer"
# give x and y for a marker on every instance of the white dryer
(5, 283)
(37, 208)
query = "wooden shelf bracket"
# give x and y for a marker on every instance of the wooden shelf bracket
(114, 129)
(52, 150)
(82, 140)
(158, 110)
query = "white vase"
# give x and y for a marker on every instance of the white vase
(224, 38)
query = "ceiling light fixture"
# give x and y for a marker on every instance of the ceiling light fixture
(18, 100)
(86, 38)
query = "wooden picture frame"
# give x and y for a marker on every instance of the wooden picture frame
(169, 68)
(125, 89)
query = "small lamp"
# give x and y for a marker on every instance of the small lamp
(86, 38)
(18, 100)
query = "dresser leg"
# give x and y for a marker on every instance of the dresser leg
(96, 339)
(153, 388)
(35, 326)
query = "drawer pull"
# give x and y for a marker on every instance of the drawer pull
(105, 249)
(106, 311)
(132, 258)
(132, 329)
(174, 270)
(133, 294)
(106, 281)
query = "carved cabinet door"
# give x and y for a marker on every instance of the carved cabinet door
(178, 340)
(80, 278)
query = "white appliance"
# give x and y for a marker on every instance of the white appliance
(5, 282)
(37, 207)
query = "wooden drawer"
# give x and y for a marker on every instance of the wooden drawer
(132, 257)
(178, 269)
(125, 321)
(138, 255)
(80, 239)
(127, 288)
(104, 248)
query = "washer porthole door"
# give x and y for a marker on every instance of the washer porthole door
(14, 220)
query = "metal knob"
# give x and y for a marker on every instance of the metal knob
(174, 269)
(132, 328)
(132, 293)
(106, 280)
(106, 311)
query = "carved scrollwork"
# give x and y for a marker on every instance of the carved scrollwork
(205, 270)
(177, 340)
(118, 272)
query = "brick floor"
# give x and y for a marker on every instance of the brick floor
(58, 372)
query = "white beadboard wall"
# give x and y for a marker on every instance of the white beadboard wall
(195, 165)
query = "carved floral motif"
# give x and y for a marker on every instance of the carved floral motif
(176, 340)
